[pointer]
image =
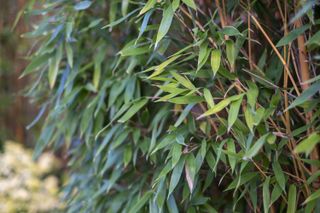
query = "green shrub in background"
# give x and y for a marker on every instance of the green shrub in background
(181, 106)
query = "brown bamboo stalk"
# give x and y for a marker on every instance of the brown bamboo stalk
(305, 76)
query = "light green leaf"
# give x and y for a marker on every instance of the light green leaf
(183, 114)
(175, 176)
(266, 195)
(165, 23)
(253, 151)
(249, 119)
(209, 99)
(69, 52)
(232, 160)
(216, 108)
(252, 94)
(292, 199)
(279, 175)
(190, 169)
(313, 89)
(308, 144)
(190, 99)
(124, 7)
(203, 55)
(233, 112)
(292, 35)
(231, 52)
(230, 31)
(183, 80)
(176, 154)
(133, 110)
(54, 67)
(312, 197)
(159, 69)
(175, 4)
(150, 4)
(141, 202)
(190, 3)
(215, 60)
(36, 63)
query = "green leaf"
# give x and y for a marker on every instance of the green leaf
(233, 112)
(292, 199)
(175, 4)
(175, 176)
(183, 80)
(241, 179)
(165, 23)
(266, 195)
(54, 67)
(209, 99)
(124, 7)
(133, 110)
(203, 55)
(216, 108)
(253, 151)
(190, 99)
(252, 94)
(159, 69)
(313, 89)
(308, 144)
(176, 154)
(292, 35)
(150, 4)
(190, 3)
(190, 169)
(249, 119)
(133, 50)
(36, 63)
(215, 60)
(232, 160)
(231, 52)
(313, 197)
(230, 31)
(279, 175)
(183, 114)
(141, 202)
(69, 52)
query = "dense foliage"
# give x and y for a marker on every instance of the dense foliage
(181, 106)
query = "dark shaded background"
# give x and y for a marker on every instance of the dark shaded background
(15, 110)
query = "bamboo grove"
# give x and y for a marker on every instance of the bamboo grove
(180, 105)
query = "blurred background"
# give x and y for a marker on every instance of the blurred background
(23, 182)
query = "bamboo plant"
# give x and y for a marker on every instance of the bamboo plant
(180, 105)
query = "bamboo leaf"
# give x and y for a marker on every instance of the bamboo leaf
(253, 151)
(231, 52)
(133, 110)
(165, 23)
(292, 199)
(292, 35)
(175, 176)
(150, 4)
(308, 144)
(215, 61)
(279, 175)
(313, 89)
(190, 3)
(209, 99)
(233, 112)
(312, 197)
